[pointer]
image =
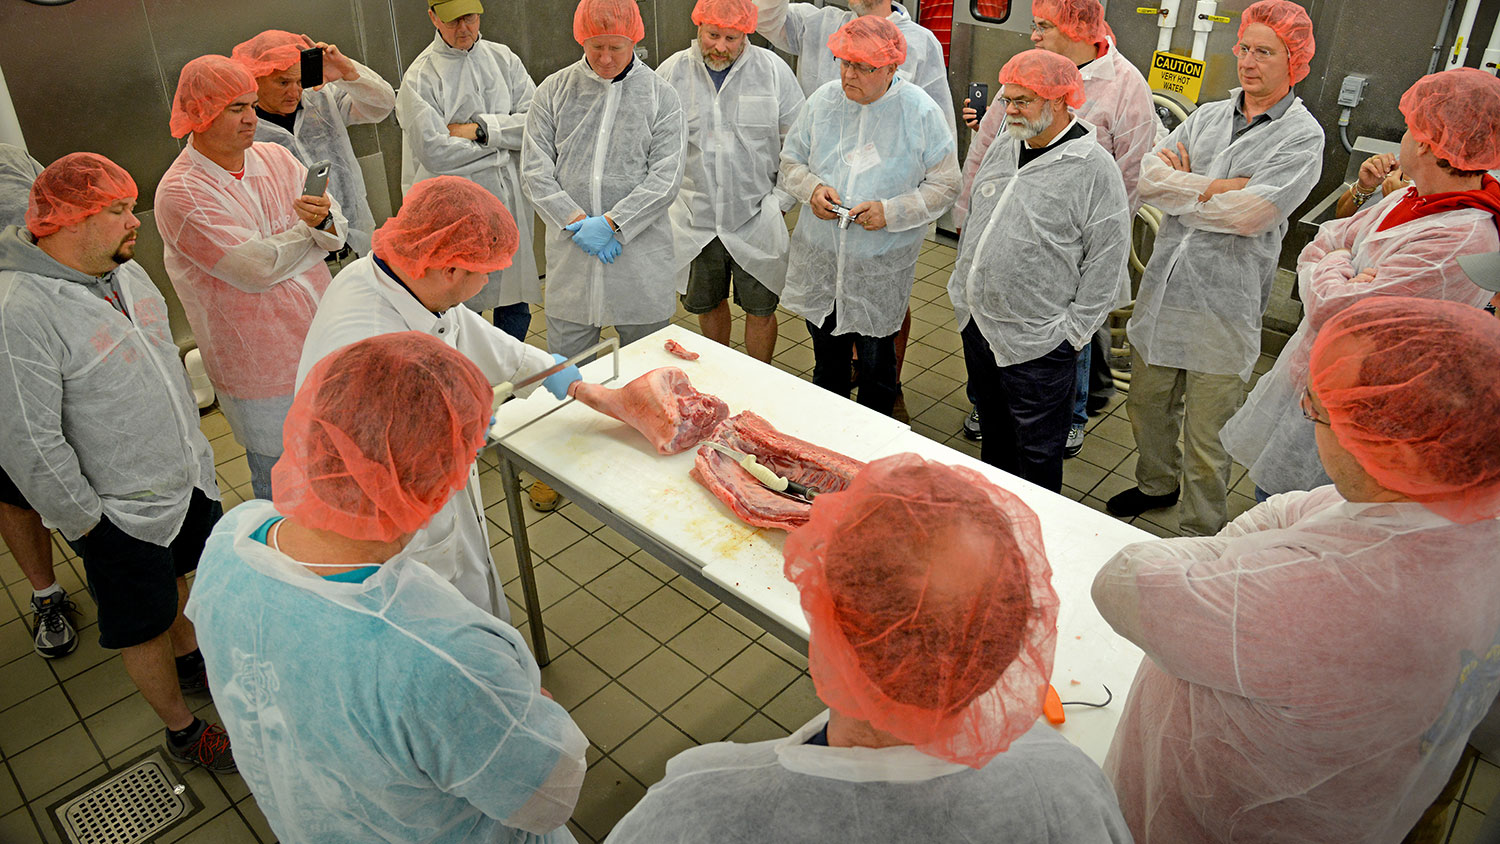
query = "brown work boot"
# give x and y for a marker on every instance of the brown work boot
(544, 499)
(898, 410)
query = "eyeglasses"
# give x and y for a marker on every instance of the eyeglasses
(1021, 103)
(1042, 26)
(1260, 55)
(857, 67)
(1307, 409)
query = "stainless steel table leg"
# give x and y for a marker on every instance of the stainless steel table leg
(512, 481)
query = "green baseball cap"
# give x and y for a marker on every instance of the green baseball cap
(450, 10)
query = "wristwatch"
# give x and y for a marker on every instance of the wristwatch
(481, 135)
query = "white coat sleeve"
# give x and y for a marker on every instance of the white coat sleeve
(796, 178)
(33, 449)
(937, 190)
(665, 158)
(1273, 193)
(1106, 248)
(539, 163)
(989, 130)
(507, 130)
(792, 101)
(425, 131)
(498, 355)
(368, 99)
(783, 23)
(1171, 190)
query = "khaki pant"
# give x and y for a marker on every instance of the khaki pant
(1167, 403)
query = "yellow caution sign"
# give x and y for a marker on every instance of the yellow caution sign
(1171, 72)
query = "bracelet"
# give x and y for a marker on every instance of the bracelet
(1360, 194)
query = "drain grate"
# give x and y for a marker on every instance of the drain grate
(128, 806)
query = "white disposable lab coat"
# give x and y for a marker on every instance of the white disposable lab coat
(17, 171)
(249, 273)
(364, 302)
(322, 133)
(1418, 258)
(486, 84)
(1042, 261)
(895, 150)
(599, 147)
(1209, 279)
(1311, 674)
(804, 29)
(734, 137)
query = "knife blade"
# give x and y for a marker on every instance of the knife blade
(767, 478)
(504, 389)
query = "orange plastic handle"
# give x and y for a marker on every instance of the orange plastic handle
(1052, 707)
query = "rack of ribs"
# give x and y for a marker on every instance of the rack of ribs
(661, 404)
(794, 459)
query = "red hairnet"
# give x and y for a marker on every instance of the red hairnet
(730, 14)
(270, 51)
(1457, 113)
(448, 221)
(1079, 20)
(594, 18)
(870, 40)
(205, 87)
(380, 435)
(1291, 24)
(74, 188)
(1050, 75)
(1407, 384)
(930, 604)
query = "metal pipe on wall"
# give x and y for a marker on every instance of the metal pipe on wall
(1442, 37)
(1203, 24)
(1490, 61)
(1167, 20)
(1465, 28)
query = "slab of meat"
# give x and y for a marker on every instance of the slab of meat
(677, 349)
(661, 404)
(787, 456)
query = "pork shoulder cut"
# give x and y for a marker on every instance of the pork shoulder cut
(661, 404)
(787, 456)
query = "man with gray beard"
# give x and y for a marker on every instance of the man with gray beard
(1038, 265)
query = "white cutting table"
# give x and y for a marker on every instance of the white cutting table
(610, 471)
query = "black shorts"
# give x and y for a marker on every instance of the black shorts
(134, 582)
(10, 495)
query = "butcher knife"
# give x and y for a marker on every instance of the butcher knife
(767, 478)
(504, 389)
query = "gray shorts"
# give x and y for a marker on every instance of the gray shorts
(708, 284)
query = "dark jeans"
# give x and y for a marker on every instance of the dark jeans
(1024, 409)
(514, 320)
(879, 382)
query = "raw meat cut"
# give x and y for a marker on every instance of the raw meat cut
(676, 348)
(793, 459)
(661, 404)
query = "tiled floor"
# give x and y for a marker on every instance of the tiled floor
(647, 663)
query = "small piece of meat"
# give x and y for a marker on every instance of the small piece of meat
(794, 459)
(676, 348)
(661, 404)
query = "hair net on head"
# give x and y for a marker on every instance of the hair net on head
(1050, 75)
(931, 606)
(1457, 113)
(1079, 20)
(74, 188)
(206, 85)
(594, 18)
(870, 40)
(380, 435)
(448, 221)
(1406, 383)
(730, 14)
(1291, 24)
(270, 51)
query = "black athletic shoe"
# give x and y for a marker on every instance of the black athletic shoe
(55, 635)
(207, 746)
(1133, 502)
(972, 430)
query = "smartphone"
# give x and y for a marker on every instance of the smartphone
(979, 98)
(312, 67)
(317, 179)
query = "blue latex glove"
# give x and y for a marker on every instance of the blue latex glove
(611, 251)
(557, 383)
(591, 233)
(486, 445)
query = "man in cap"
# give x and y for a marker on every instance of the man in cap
(875, 164)
(1227, 181)
(450, 235)
(1408, 244)
(244, 250)
(1038, 267)
(462, 110)
(932, 625)
(314, 123)
(1117, 104)
(740, 100)
(102, 432)
(1313, 671)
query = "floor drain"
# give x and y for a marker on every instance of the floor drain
(130, 805)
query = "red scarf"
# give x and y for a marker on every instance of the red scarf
(1412, 206)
